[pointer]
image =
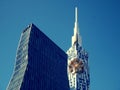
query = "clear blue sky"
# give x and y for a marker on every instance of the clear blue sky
(99, 22)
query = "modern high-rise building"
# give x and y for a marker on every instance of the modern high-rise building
(40, 64)
(78, 70)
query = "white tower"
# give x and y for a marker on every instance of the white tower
(78, 70)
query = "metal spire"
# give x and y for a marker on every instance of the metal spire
(76, 14)
(76, 21)
(76, 37)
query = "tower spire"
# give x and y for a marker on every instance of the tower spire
(76, 38)
(76, 14)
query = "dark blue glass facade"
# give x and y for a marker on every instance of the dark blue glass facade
(40, 63)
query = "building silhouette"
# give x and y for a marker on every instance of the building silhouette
(78, 70)
(40, 64)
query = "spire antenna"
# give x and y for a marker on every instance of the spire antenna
(76, 38)
(76, 14)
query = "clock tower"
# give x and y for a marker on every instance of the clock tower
(78, 70)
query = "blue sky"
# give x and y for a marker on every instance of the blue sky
(99, 22)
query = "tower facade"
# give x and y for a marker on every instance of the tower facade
(78, 70)
(40, 63)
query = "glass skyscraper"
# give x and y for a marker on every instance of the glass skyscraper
(40, 64)
(78, 69)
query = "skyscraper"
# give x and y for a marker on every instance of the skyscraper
(78, 70)
(40, 63)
